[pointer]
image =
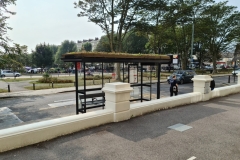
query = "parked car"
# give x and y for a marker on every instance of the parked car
(167, 67)
(176, 67)
(34, 70)
(236, 72)
(9, 73)
(208, 67)
(183, 76)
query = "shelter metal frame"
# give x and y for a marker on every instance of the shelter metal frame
(76, 58)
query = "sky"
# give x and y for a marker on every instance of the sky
(52, 22)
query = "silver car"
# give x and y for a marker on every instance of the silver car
(9, 73)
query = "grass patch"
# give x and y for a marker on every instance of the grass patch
(18, 79)
(39, 86)
(3, 90)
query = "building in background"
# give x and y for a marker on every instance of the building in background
(94, 43)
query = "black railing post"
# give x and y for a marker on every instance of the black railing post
(52, 84)
(158, 81)
(33, 86)
(229, 79)
(8, 88)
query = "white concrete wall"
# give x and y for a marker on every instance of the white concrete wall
(20, 136)
(138, 109)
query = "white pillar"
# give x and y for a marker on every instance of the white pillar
(117, 97)
(201, 83)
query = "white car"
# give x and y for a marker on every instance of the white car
(9, 73)
(34, 70)
(236, 72)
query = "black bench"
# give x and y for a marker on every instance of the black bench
(97, 100)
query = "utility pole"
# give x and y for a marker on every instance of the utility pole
(191, 58)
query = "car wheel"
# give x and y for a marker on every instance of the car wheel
(168, 82)
(2, 76)
(181, 81)
(17, 75)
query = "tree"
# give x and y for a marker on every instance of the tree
(5, 49)
(134, 43)
(103, 45)
(87, 47)
(54, 49)
(4, 40)
(65, 47)
(42, 56)
(220, 28)
(108, 13)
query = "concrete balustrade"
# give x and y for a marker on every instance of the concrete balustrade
(117, 108)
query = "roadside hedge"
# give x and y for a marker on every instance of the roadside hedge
(54, 80)
(97, 77)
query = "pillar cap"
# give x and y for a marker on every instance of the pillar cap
(117, 87)
(205, 78)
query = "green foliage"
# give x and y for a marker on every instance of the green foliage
(54, 80)
(134, 43)
(103, 45)
(201, 71)
(4, 39)
(65, 47)
(54, 49)
(97, 77)
(42, 56)
(46, 75)
(87, 47)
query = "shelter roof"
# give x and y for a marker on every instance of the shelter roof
(115, 57)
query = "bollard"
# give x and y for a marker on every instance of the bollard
(33, 86)
(8, 88)
(229, 79)
(52, 84)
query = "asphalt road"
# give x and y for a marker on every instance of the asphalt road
(24, 110)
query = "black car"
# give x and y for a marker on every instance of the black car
(183, 76)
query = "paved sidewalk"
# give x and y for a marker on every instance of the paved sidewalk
(212, 132)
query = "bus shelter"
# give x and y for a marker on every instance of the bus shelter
(137, 61)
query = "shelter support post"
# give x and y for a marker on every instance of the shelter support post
(158, 80)
(141, 82)
(76, 86)
(84, 85)
(102, 75)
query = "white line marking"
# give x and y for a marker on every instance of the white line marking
(64, 100)
(192, 158)
(62, 104)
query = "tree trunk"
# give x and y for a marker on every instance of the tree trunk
(214, 62)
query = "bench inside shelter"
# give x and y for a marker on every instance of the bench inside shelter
(91, 100)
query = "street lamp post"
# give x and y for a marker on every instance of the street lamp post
(191, 58)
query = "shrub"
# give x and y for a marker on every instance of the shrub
(201, 71)
(97, 77)
(45, 75)
(54, 80)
